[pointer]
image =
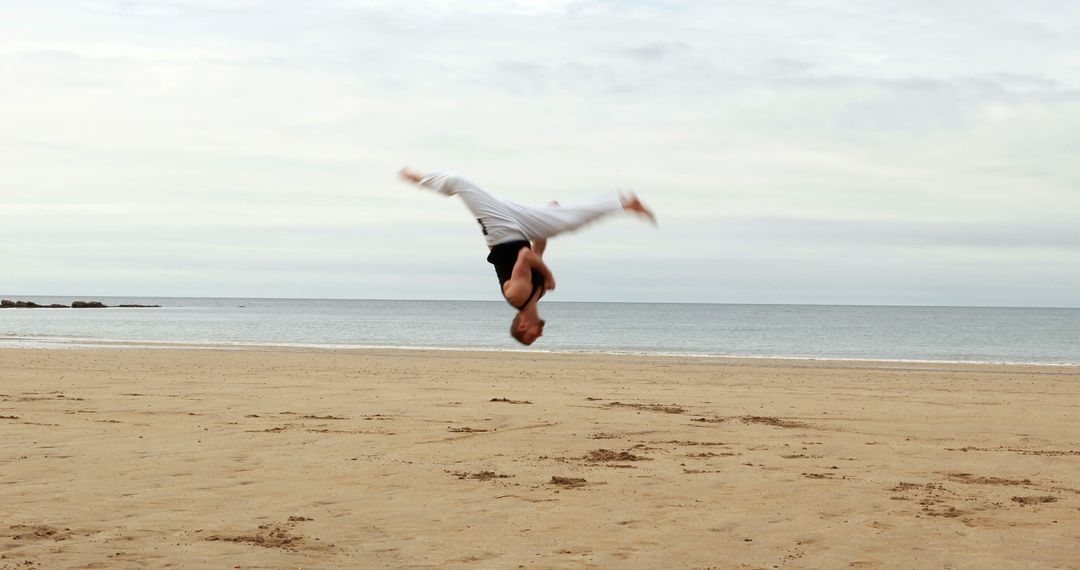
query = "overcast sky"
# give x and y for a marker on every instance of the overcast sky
(872, 152)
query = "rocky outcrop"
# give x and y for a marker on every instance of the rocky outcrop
(8, 304)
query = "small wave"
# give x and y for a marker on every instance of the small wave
(44, 342)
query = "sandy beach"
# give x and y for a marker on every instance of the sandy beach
(274, 458)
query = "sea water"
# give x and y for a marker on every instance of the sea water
(945, 334)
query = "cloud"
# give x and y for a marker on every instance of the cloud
(245, 139)
(656, 51)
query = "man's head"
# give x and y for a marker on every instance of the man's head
(526, 329)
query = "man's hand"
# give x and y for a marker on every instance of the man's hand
(532, 262)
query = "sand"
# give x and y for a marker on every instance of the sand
(273, 458)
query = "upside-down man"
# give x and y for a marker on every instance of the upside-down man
(517, 237)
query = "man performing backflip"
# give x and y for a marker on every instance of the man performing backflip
(509, 228)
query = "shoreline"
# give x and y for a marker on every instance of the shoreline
(455, 459)
(68, 343)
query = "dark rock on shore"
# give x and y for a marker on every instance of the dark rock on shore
(87, 305)
(8, 304)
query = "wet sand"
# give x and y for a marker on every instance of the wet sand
(272, 458)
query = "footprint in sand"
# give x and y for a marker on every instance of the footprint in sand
(274, 536)
(568, 482)
(509, 401)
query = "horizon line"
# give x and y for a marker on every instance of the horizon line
(913, 306)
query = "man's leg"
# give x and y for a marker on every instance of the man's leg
(542, 222)
(495, 216)
(504, 220)
(539, 246)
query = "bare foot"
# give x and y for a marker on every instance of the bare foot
(631, 203)
(410, 175)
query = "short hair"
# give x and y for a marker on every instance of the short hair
(514, 332)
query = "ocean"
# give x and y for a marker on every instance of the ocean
(934, 334)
